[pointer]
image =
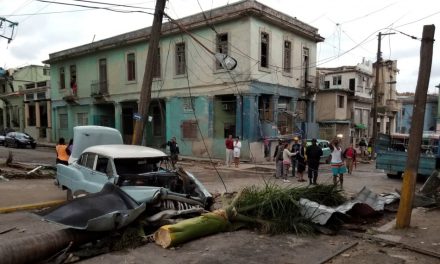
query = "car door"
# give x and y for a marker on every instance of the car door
(93, 181)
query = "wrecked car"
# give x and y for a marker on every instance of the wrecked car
(145, 174)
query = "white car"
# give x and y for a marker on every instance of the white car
(98, 157)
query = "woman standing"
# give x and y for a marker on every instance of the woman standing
(287, 157)
(62, 156)
(337, 164)
(237, 147)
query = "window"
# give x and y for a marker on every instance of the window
(337, 80)
(90, 160)
(188, 104)
(83, 160)
(341, 99)
(73, 79)
(264, 52)
(131, 67)
(352, 83)
(287, 60)
(62, 78)
(102, 70)
(82, 119)
(46, 71)
(327, 84)
(189, 129)
(102, 164)
(63, 121)
(222, 47)
(305, 65)
(180, 59)
(156, 70)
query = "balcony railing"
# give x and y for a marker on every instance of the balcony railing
(99, 88)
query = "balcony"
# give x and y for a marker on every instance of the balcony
(99, 89)
(392, 106)
(310, 84)
(70, 96)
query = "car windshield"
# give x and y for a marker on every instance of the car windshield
(141, 165)
(20, 135)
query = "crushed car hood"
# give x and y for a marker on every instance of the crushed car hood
(107, 210)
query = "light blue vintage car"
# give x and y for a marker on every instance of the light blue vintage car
(324, 145)
(145, 174)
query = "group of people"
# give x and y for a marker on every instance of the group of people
(298, 155)
(63, 151)
(233, 148)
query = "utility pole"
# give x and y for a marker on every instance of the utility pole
(415, 138)
(376, 91)
(144, 103)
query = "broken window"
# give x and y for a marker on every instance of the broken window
(180, 59)
(46, 71)
(62, 78)
(287, 60)
(131, 67)
(222, 47)
(103, 76)
(189, 129)
(156, 69)
(73, 79)
(264, 52)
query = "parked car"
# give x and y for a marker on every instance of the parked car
(18, 140)
(144, 173)
(324, 145)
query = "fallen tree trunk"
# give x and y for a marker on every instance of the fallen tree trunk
(206, 224)
(40, 247)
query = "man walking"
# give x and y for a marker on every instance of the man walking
(313, 153)
(350, 158)
(229, 144)
(295, 149)
(278, 158)
(174, 150)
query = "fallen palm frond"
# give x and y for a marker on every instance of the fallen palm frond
(275, 209)
(271, 209)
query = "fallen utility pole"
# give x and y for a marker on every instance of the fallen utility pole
(415, 137)
(144, 102)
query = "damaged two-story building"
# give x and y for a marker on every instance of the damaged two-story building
(269, 93)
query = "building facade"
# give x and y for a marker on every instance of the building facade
(269, 94)
(404, 115)
(347, 90)
(25, 101)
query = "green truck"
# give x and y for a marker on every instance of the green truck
(392, 154)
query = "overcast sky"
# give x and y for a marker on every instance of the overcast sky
(349, 27)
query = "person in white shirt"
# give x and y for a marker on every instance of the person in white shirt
(237, 147)
(337, 163)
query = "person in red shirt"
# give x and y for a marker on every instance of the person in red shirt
(350, 158)
(229, 144)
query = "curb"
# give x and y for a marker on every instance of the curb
(10, 209)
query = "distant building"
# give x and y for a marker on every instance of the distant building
(25, 101)
(269, 94)
(404, 116)
(387, 105)
(344, 102)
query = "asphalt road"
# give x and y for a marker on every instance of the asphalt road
(43, 155)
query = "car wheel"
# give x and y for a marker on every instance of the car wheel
(69, 195)
(15, 145)
(6, 145)
(34, 146)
